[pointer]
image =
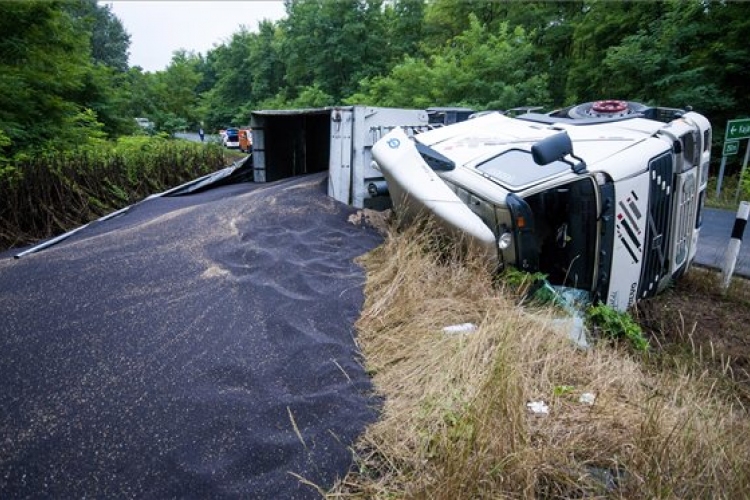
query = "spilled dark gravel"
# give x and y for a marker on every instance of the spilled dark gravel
(198, 346)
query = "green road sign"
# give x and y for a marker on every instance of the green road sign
(738, 129)
(731, 148)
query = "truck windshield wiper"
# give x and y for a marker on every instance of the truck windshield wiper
(435, 160)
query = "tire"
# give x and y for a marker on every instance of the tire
(588, 110)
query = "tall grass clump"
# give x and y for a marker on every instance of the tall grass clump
(456, 421)
(52, 192)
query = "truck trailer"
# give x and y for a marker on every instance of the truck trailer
(339, 140)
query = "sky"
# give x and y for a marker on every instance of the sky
(158, 28)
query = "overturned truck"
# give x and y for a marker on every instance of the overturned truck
(603, 196)
(337, 140)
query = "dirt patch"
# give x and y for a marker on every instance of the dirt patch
(697, 318)
(374, 218)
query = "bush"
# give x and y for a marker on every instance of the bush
(617, 325)
(52, 192)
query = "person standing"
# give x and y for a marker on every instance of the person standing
(200, 133)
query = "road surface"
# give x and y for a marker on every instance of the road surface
(715, 234)
(194, 137)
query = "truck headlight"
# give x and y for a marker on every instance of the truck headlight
(504, 241)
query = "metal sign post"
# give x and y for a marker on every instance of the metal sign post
(742, 173)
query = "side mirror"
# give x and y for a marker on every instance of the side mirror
(556, 148)
(553, 148)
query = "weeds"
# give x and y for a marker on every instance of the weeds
(50, 193)
(520, 281)
(727, 199)
(455, 422)
(617, 325)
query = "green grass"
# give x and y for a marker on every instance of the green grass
(727, 199)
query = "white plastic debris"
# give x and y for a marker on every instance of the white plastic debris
(575, 328)
(574, 302)
(461, 328)
(538, 407)
(587, 398)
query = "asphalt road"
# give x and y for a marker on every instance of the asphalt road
(715, 235)
(194, 137)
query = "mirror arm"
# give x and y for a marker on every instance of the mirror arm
(580, 167)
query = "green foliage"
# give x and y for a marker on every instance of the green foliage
(562, 390)
(108, 39)
(5, 142)
(744, 189)
(43, 59)
(175, 90)
(312, 97)
(654, 65)
(404, 21)
(604, 25)
(520, 281)
(232, 66)
(617, 325)
(478, 53)
(334, 44)
(55, 85)
(446, 19)
(51, 192)
(478, 68)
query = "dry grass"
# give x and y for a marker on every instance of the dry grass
(697, 323)
(455, 422)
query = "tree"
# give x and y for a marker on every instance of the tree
(477, 68)
(603, 25)
(266, 61)
(234, 72)
(404, 20)
(446, 19)
(723, 52)
(550, 27)
(107, 36)
(175, 92)
(44, 59)
(333, 44)
(657, 64)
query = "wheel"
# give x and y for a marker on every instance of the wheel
(609, 108)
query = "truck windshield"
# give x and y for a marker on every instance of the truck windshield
(566, 225)
(516, 169)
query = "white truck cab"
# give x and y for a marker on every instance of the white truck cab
(604, 197)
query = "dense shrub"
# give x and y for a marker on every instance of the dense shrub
(50, 193)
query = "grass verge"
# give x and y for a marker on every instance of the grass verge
(455, 422)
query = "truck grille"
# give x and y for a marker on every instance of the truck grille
(656, 254)
(683, 233)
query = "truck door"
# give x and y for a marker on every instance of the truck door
(340, 169)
